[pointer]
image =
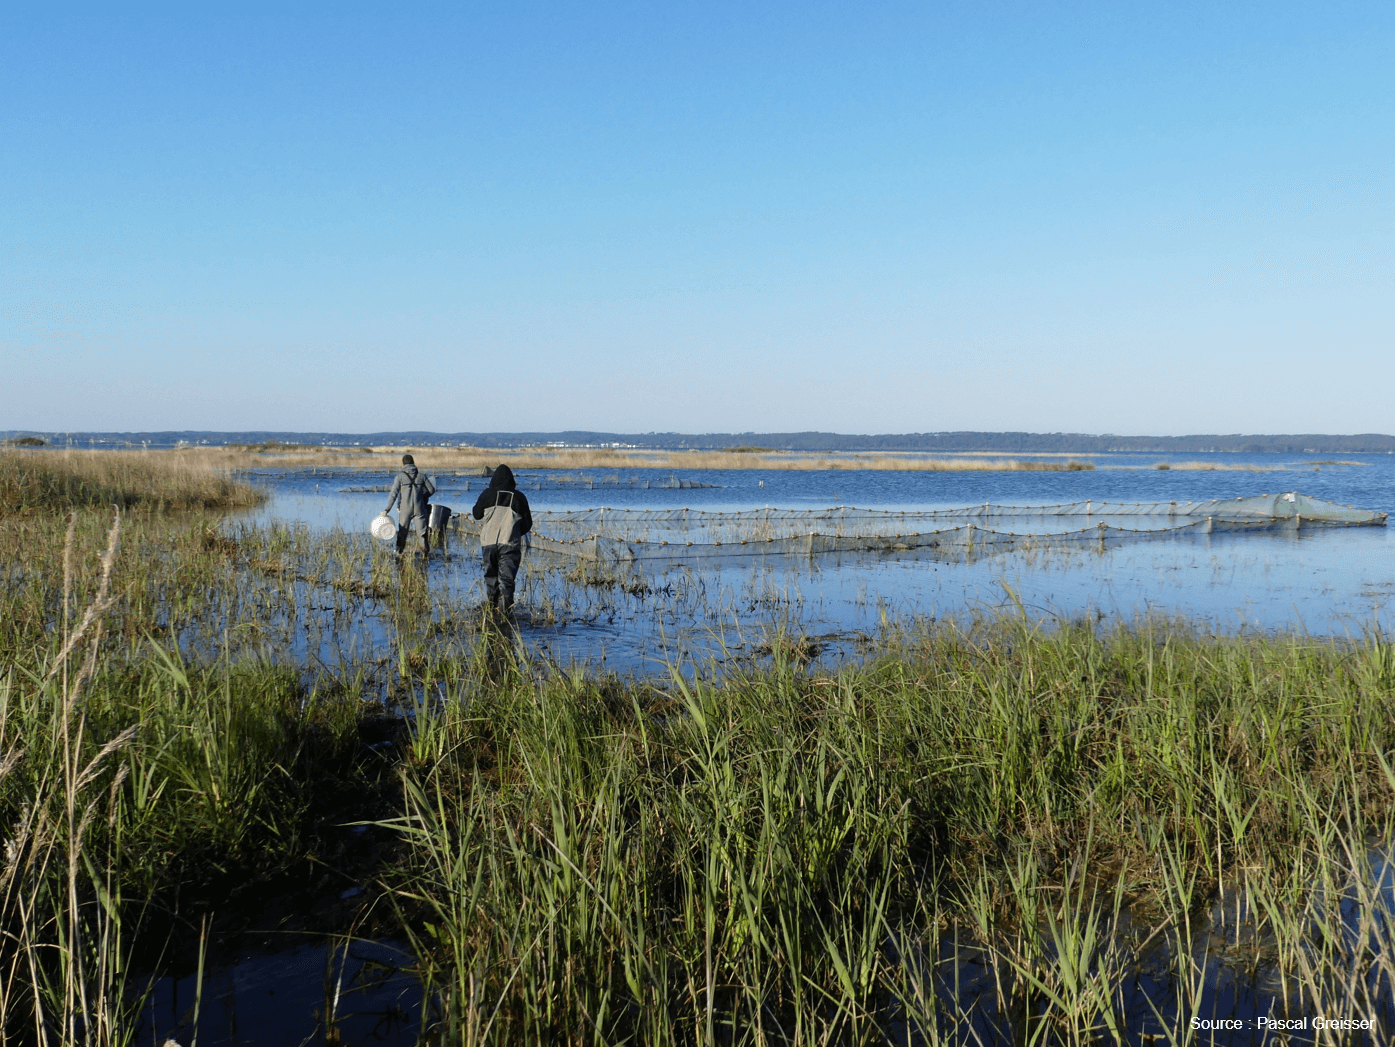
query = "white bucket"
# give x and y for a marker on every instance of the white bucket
(383, 528)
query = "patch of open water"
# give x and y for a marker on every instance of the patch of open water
(351, 993)
(1324, 581)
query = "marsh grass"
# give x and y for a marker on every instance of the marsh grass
(54, 481)
(151, 762)
(886, 463)
(984, 833)
(783, 857)
(473, 460)
(1211, 467)
(62, 970)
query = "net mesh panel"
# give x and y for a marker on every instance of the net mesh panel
(689, 534)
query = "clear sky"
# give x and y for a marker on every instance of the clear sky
(1156, 218)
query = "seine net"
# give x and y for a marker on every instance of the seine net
(687, 534)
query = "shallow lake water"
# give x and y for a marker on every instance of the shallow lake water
(294, 996)
(1337, 581)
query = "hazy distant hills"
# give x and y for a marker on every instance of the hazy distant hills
(1004, 443)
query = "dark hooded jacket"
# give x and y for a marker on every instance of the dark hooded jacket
(503, 480)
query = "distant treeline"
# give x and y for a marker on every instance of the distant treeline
(1004, 443)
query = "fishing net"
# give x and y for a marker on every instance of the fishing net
(625, 535)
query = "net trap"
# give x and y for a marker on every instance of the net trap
(632, 535)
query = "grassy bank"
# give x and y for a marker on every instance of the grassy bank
(989, 831)
(53, 481)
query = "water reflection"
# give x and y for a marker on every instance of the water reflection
(356, 992)
(1337, 581)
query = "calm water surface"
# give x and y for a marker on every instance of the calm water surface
(1327, 581)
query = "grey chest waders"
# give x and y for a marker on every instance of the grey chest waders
(501, 521)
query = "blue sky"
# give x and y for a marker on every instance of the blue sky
(1131, 218)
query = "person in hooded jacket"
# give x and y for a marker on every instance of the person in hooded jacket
(414, 490)
(505, 518)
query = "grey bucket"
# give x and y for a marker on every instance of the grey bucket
(440, 516)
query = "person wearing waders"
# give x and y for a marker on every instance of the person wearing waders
(503, 508)
(413, 490)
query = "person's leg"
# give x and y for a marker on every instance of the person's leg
(442, 525)
(401, 538)
(509, 558)
(491, 573)
(424, 528)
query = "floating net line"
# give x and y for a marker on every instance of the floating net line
(624, 535)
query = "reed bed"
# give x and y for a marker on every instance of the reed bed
(470, 459)
(53, 482)
(170, 738)
(1210, 467)
(983, 837)
(897, 463)
(994, 832)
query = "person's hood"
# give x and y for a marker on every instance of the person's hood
(503, 479)
(409, 471)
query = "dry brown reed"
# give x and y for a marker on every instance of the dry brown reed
(1208, 467)
(886, 463)
(153, 481)
(478, 458)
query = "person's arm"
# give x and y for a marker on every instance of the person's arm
(481, 505)
(526, 523)
(392, 498)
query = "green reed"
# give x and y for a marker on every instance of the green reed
(156, 743)
(778, 858)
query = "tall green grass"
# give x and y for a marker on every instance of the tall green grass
(783, 858)
(132, 776)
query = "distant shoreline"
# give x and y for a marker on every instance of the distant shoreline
(991, 443)
(479, 461)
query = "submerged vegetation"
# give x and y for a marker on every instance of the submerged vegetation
(994, 832)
